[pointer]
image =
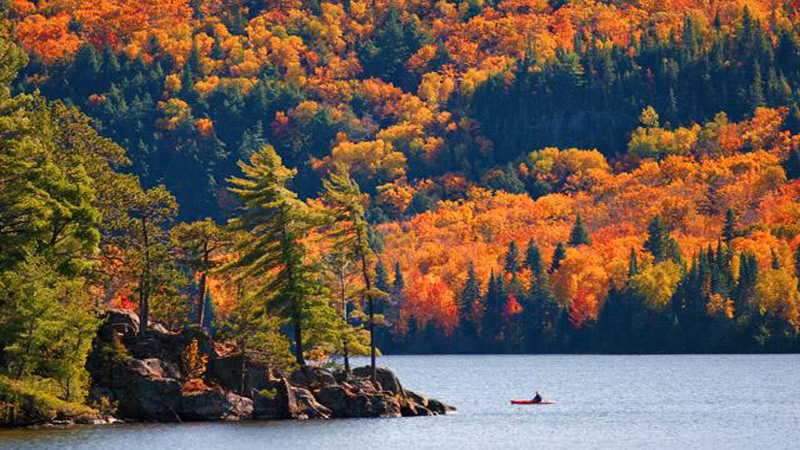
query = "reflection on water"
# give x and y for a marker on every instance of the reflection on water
(703, 401)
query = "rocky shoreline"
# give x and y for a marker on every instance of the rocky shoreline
(144, 380)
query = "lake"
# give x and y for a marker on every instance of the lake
(664, 401)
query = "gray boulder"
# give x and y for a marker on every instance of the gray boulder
(148, 399)
(345, 403)
(305, 406)
(386, 378)
(215, 404)
(276, 403)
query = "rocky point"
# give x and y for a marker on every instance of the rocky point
(145, 379)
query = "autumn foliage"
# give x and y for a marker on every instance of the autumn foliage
(647, 151)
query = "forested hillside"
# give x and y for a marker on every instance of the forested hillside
(469, 176)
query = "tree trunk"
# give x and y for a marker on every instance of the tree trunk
(243, 373)
(201, 302)
(345, 350)
(371, 303)
(298, 340)
(286, 243)
(346, 358)
(144, 283)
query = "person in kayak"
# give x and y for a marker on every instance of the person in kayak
(537, 398)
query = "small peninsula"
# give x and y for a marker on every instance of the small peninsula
(150, 379)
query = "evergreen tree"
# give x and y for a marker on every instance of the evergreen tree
(797, 263)
(558, 255)
(277, 221)
(492, 320)
(252, 140)
(381, 278)
(533, 260)
(615, 321)
(384, 55)
(792, 164)
(744, 297)
(512, 258)
(540, 311)
(633, 264)
(470, 293)
(792, 124)
(345, 203)
(659, 243)
(198, 244)
(340, 270)
(776, 263)
(149, 215)
(579, 236)
(755, 93)
(468, 298)
(730, 230)
(398, 284)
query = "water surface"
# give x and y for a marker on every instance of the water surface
(664, 401)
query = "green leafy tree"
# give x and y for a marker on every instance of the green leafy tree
(46, 326)
(49, 233)
(47, 199)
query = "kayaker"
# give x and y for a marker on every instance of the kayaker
(537, 398)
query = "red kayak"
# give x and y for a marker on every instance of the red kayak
(531, 402)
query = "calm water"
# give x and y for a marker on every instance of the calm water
(742, 401)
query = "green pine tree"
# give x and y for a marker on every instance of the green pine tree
(659, 242)
(399, 283)
(512, 258)
(797, 263)
(558, 255)
(345, 207)
(198, 243)
(776, 262)
(533, 260)
(633, 264)
(468, 298)
(730, 230)
(277, 221)
(579, 236)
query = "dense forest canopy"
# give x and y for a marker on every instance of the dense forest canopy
(318, 179)
(403, 92)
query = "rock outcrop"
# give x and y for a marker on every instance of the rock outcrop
(145, 378)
